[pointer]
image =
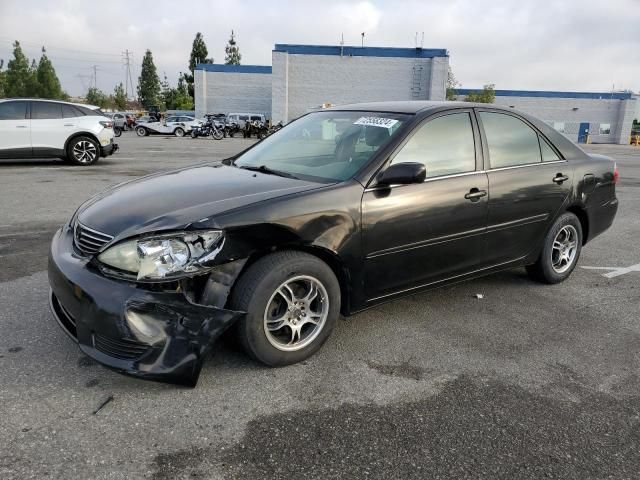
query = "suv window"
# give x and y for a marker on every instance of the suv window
(256, 117)
(69, 111)
(45, 110)
(511, 141)
(445, 145)
(13, 110)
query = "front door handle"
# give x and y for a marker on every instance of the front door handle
(69, 124)
(475, 194)
(559, 178)
(21, 126)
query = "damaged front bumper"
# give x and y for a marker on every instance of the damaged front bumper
(158, 335)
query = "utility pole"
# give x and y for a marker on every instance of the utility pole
(362, 34)
(127, 80)
(95, 76)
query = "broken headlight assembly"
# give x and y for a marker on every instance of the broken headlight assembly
(167, 256)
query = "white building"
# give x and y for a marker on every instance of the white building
(304, 77)
(232, 88)
(604, 117)
(308, 76)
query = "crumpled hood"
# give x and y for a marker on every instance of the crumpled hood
(175, 199)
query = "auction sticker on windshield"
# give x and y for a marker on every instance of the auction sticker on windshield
(376, 122)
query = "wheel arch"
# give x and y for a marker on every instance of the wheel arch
(327, 256)
(581, 213)
(82, 134)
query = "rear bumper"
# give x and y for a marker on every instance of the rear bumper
(601, 217)
(109, 149)
(153, 335)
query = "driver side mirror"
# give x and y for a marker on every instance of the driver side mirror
(403, 174)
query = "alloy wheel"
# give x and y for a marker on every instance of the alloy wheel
(296, 313)
(84, 152)
(564, 248)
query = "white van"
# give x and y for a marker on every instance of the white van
(242, 118)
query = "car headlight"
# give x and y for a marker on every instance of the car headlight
(165, 256)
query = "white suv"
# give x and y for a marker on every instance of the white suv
(34, 128)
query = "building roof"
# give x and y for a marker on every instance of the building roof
(551, 94)
(410, 106)
(350, 50)
(216, 67)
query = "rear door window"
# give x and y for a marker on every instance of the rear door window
(511, 141)
(13, 110)
(46, 110)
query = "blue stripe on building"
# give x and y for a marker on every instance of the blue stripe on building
(544, 94)
(215, 67)
(360, 51)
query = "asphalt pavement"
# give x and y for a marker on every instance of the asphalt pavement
(529, 381)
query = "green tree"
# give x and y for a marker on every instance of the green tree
(32, 85)
(148, 82)
(3, 80)
(120, 97)
(486, 95)
(48, 83)
(452, 84)
(232, 52)
(199, 54)
(17, 75)
(97, 97)
(183, 99)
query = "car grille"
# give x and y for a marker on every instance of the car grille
(121, 348)
(89, 241)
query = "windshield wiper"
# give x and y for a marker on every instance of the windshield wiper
(269, 171)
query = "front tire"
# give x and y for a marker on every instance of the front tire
(83, 151)
(561, 251)
(292, 300)
(141, 132)
(218, 135)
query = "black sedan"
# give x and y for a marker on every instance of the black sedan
(338, 211)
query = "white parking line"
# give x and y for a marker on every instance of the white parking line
(616, 271)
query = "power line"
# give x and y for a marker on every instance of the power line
(49, 47)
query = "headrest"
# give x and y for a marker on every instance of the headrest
(375, 136)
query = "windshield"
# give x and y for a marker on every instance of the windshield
(326, 146)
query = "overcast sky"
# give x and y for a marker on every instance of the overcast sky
(584, 45)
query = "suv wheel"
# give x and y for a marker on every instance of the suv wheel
(83, 151)
(560, 252)
(292, 300)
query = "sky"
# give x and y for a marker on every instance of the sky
(565, 45)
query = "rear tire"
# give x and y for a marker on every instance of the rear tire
(269, 330)
(560, 252)
(83, 151)
(179, 132)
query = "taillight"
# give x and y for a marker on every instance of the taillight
(106, 124)
(616, 175)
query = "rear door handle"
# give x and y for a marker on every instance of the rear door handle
(69, 124)
(475, 194)
(559, 178)
(21, 126)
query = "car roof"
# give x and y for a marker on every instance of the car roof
(411, 106)
(92, 107)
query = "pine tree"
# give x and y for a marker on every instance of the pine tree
(148, 82)
(17, 75)
(120, 97)
(32, 86)
(199, 54)
(48, 83)
(232, 51)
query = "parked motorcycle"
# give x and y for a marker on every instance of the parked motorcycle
(208, 129)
